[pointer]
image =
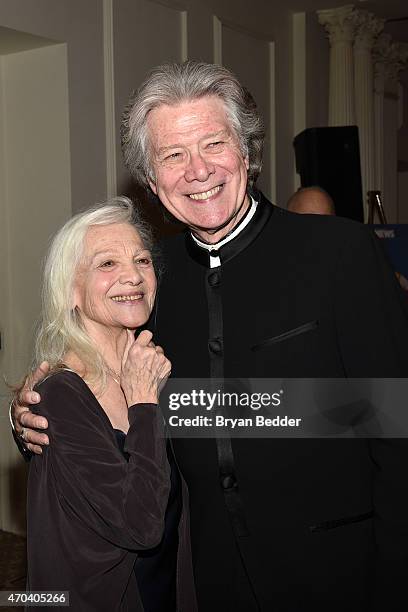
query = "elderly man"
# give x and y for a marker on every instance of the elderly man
(251, 290)
(311, 200)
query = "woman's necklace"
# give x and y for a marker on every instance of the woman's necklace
(114, 375)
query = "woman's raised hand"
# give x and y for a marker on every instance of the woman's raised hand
(145, 369)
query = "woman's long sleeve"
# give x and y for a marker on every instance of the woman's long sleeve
(123, 502)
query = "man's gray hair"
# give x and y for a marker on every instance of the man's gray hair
(174, 83)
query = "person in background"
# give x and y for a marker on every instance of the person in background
(311, 200)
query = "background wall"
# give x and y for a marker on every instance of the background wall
(52, 160)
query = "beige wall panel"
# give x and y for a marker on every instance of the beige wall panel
(79, 23)
(299, 82)
(146, 34)
(4, 310)
(317, 73)
(35, 202)
(199, 31)
(249, 58)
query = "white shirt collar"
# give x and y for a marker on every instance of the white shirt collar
(215, 262)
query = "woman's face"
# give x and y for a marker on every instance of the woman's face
(115, 283)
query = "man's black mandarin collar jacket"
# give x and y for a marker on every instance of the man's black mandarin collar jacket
(295, 296)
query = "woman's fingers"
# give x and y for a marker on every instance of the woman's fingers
(144, 338)
(129, 341)
(144, 370)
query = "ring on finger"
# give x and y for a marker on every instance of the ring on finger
(22, 434)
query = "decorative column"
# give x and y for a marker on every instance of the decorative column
(339, 25)
(398, 61)
(380, 52)
(390, 58)
(367, 28)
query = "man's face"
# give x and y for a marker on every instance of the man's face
(200, 172)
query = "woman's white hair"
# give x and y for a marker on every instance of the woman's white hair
(61, 329)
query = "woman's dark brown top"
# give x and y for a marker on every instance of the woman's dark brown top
(90, 510)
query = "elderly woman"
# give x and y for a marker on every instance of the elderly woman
(98, 497)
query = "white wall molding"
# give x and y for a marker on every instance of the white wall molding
(299, 82)
(181, 8)
(4, 310)
(184, 36)
(229, 41)
(109, 81)
(368, 27)
(217, 40)
(272, 120)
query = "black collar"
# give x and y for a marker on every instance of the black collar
(237, 244)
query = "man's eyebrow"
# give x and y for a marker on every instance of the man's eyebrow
(168, 148)
(223, 132)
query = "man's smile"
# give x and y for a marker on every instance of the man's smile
(205, 195)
